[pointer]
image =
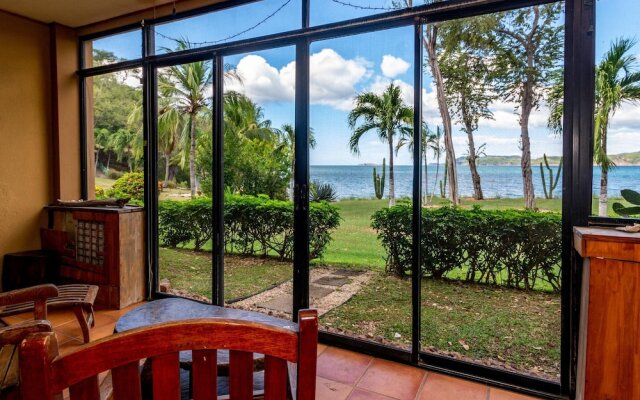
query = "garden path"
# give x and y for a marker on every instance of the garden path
(328, 289)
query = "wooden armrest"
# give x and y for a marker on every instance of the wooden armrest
(34, 293)
(15, 334)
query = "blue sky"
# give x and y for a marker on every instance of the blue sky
(344, 67)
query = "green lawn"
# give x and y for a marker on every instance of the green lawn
(511, 326)
(191, 271)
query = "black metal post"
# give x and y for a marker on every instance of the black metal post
(306, 5)
(217, 173)
(416, 273)
(301, 179)
(579, 103)
(82, 89)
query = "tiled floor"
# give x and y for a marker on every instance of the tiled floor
(341, 374)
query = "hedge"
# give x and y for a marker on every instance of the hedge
(507, 247)
(253, 225)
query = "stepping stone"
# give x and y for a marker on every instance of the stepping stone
(317, 292)
(282, 303)
(331, 280)
(348, 272)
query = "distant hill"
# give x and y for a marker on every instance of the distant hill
(619, 159)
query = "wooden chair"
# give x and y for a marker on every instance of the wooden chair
(11, 336)
(78, 297)
(290, 357)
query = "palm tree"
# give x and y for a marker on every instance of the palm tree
(387, 115)
(617, 82)
(188, 86)
(429, 141)
(287, 132)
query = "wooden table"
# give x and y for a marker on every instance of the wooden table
(176, 309)
(609, 355)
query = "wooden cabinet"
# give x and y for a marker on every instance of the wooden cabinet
(609, 353)
(101, 246)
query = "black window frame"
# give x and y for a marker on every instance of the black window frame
(579, 61)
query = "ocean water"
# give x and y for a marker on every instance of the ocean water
(356, 181)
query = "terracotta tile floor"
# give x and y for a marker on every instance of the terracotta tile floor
(341, 374)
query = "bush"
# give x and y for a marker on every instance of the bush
(253, 225)
(512, 247)
(100, 192)
(130, 185)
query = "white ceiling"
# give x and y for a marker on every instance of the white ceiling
(75, 13)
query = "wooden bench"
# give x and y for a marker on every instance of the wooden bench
(78, 297)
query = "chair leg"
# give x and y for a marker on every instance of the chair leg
(82, 320)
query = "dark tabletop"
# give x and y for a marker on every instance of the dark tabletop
(175, 309)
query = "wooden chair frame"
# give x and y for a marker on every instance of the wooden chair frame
(48, 375)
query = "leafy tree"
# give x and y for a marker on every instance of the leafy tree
(527, 45)
(617, 82)
(187, 87)
(127, 145)
(288, 135)
(464, 65)
(256, 159)
(387, 115)
(430, 141)
(430, 43)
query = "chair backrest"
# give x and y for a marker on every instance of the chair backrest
(48, 375)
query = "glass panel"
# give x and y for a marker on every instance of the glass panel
(259, 115)
(229, 25)
(112, 49)
(328, 11)
(491, 269)
(114, 135)
(361, 117)
(184, 140)
(617, 136)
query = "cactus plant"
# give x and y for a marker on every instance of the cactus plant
(378, 182)
(632, 197)
(548, 194)
(443, 186)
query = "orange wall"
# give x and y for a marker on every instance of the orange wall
(25, 126)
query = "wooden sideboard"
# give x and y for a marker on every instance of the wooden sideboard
(104, 246)
(609, 349)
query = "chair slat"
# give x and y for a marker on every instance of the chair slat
(307, 354)
(87, 389)
(275, 378)
(204, 374)
(126, 382)
(165, 370)
(240, 375)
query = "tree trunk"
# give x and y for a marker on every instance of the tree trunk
(525, 162)
(604, 183)
(166, 169)
(192, 157)
(473, 157)
(392, 186)
(430, 42)
(426, 181)
(96, 162)
(604, 177)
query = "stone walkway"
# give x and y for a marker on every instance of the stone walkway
(328, 289)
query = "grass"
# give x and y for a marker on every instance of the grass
(515, 327)
(191, 271)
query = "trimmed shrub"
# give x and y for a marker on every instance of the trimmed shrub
(130, 185)
(100, 193)
(253, 225)
(507, 247)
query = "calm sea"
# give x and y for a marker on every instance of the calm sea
(355, 181)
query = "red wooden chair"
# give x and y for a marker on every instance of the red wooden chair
(289, 353)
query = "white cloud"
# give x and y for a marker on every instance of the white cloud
(393, 66)
(333, 79)
(263, 82)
